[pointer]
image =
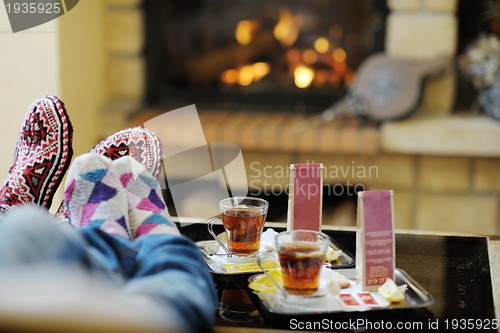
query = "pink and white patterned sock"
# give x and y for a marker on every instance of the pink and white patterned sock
(95, 197)
(140, 143)
(42, 156)
(148, 213)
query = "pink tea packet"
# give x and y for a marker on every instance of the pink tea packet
(305, 199)
(375, 245)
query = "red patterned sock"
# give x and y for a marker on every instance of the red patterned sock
(140, 143)
(143, 145)
(42, 155)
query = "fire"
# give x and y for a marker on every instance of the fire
(287, 29)
(245, 31)
(321, 45)
(260, 69)
(339, 55)
(230, 76)
(309, 57)
(246, 75)
(340, 67)
(303, 76)
(323, 64)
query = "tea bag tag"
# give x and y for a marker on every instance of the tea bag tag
(375, 245)
(305, 198)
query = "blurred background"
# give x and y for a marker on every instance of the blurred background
(256, 69)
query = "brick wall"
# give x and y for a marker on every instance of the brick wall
(449, 194)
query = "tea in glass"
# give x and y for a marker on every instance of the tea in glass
(301, 254)
(243, 220)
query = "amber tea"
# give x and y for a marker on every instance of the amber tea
(243, 225)
(301, 265)
(243, 220)
(301, 254)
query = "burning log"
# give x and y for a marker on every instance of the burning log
(208, 67)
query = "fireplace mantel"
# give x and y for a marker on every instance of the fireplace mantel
(460, 135)
(278, 133)
(450, 135)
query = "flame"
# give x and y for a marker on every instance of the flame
(321, 45)
(340, 67)
(293, 56)
(339, 55)
(309, 57)
(287, 28)
(247, 74)
(321, 78)
(286, 32)
(245, 30)
(260, 69)
(303, 76)
(230, 76)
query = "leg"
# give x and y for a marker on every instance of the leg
(171, 269)
(30, 235)
(166, 269)
(168, 284)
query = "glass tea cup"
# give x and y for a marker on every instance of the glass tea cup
(236, 305)
(243, 220)
(301, 255)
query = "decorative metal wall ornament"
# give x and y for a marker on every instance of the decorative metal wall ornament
(481, 63)
(490, 100)
(386, 89)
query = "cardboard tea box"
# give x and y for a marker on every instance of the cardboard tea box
(375, 245)
(305, 198)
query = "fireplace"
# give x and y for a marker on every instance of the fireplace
(272, 55)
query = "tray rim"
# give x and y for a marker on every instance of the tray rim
(410, 281)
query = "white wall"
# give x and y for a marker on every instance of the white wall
(29, 68)
(63, 57)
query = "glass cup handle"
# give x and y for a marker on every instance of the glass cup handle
(259, 262)
(212, 233)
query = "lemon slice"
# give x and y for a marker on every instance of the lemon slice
(263, 283)
(332, 255)
(390, 291)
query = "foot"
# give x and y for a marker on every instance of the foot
(42, 155)
(148, 212)
(140, 143)
(95, 197)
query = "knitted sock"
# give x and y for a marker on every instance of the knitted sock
(94, 196)
(140, 143)
(148, 213)
(42, 155)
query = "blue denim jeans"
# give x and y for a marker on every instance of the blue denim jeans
(168, 269)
